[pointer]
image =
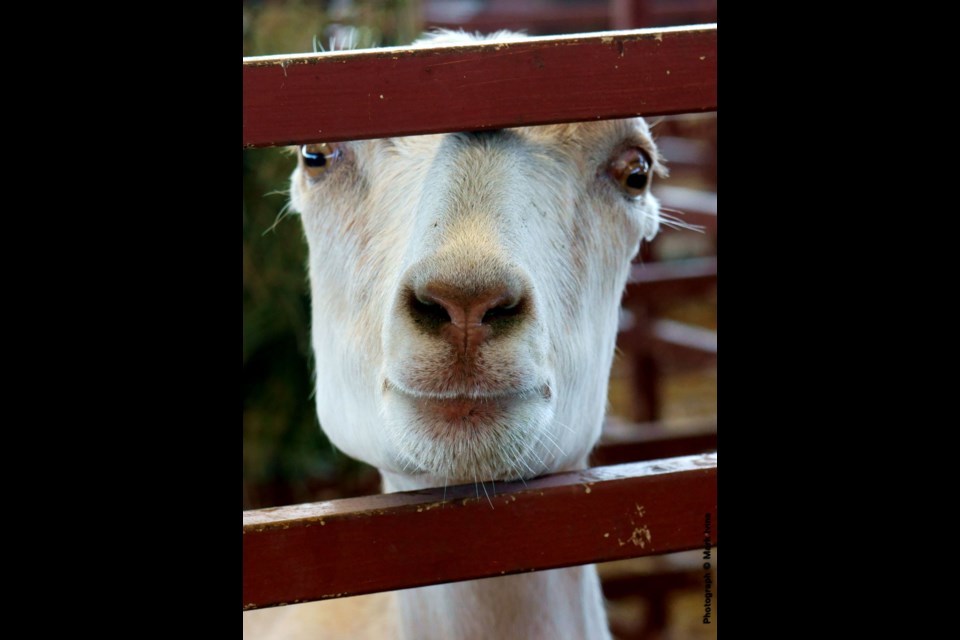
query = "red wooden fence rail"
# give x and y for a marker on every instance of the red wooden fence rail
(629, 442)
(395, 541)
(353, 95)
(657, 280)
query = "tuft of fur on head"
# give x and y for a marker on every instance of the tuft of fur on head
(454, 37)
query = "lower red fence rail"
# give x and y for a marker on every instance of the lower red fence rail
(395, 541)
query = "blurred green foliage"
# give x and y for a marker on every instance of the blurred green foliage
(285, 454)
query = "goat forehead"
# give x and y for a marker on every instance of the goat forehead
(582, 137)
(590, 133)
(479, 168)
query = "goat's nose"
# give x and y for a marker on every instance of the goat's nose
(467, 318)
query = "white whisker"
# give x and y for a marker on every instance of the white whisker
(517, 459)
(565, 426)
(674, 222)
(554, 443)
(486, 494)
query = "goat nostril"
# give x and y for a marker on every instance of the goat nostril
(458, 314)
(501, 312)
(503, 318)
(427, 313)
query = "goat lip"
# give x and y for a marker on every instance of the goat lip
(541, 392)
(470, 410)
(479, 410)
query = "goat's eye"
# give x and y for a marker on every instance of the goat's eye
(630, 169)
(317, 157)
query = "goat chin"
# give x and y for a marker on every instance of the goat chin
(465, 294)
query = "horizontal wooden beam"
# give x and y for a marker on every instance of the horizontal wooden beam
(690, 345)
(631, 442)
(645, 585)
(378, 93)
(395, 541)
(652, 282)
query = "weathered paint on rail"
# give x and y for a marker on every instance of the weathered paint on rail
(352, 95)
(395, 541)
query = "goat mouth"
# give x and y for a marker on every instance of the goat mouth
(466, 411)
(453, 410)
(464, 436)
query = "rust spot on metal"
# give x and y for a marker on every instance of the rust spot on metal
(640, 537)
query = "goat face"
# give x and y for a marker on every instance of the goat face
(466, 290)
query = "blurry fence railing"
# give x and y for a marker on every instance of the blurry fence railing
(384, 542)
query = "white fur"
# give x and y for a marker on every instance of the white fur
(532, 207)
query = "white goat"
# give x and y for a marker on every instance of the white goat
(465, 298)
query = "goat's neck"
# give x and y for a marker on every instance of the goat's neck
(561, 603)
